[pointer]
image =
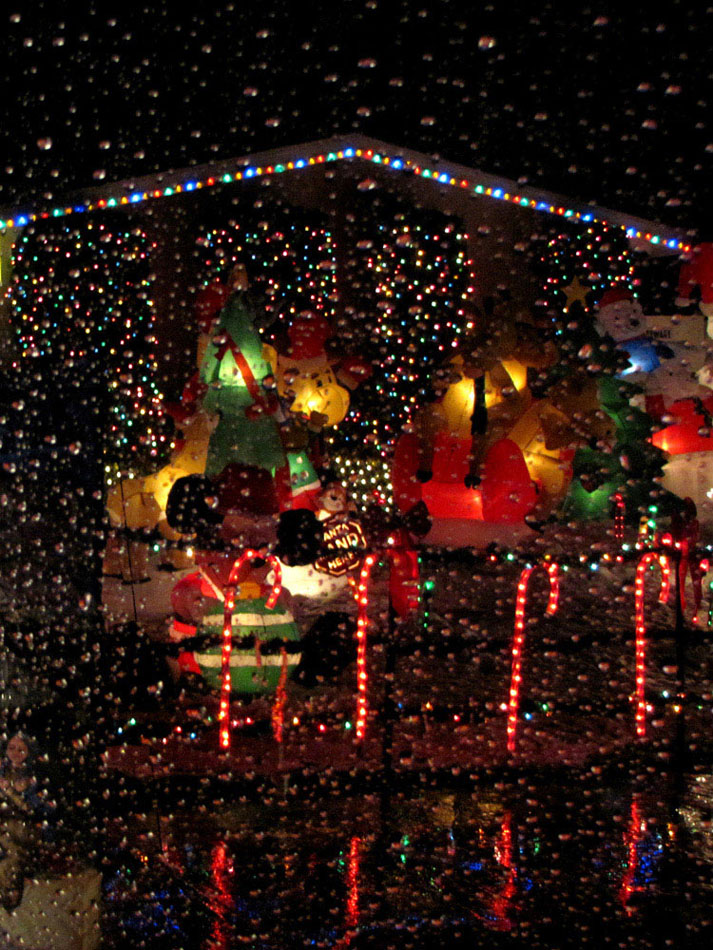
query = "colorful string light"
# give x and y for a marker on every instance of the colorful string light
(82, 297)
(225, 681)
(645, 561)
(507, 191)
(582, 263)
(411, 266)
(519, 640)
(292, 264)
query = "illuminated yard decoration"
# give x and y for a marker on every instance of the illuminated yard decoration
(650, 557)
(245, 557)
(346, 540)
(519, 641)
(362, 598)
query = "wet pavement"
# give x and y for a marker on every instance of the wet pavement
(520, 859)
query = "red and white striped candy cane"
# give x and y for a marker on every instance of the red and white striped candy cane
(362, 599)
(224, 710)
(519, 641)
(644, 561)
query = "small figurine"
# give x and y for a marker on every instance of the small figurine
(20, 804)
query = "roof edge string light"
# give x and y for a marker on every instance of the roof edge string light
(345, 153)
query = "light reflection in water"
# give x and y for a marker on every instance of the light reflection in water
(342, 874)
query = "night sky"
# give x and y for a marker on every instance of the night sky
(612, 107)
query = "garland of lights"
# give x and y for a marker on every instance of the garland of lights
(650, 557)
(582, 263)
(292, 265)
(81, 297)
(410, 275)
(342, 154)
(519, 641)
(224, 709)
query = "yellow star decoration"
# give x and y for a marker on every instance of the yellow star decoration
(576, 291)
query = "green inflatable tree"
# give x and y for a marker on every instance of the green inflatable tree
(233, 370)
(580, 265)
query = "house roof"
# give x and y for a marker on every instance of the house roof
(656, 237)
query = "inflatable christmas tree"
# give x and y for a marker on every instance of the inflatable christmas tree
(233, 370)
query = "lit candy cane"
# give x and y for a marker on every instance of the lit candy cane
(224, 710)
(644, 561)
(519, 641)
(362, 598)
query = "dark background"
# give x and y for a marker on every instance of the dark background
(599, 104)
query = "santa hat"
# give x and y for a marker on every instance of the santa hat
(308, 334)
(616, 294)
(353, 370)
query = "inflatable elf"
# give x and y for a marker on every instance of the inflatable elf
(259, 632)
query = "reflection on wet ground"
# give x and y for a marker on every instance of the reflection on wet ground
(536, 859)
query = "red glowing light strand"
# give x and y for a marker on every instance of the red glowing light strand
(362, 598)
(245, 557)
(645, 561)
(619, 513)
(519, 641)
